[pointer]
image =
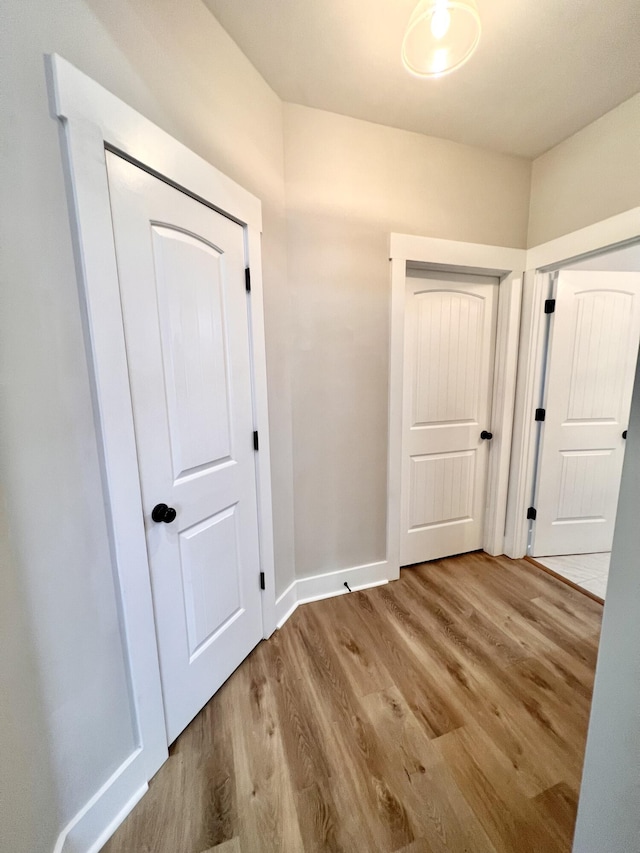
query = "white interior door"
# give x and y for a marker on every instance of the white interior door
(450, 329)
(184, 304)
(593, 348)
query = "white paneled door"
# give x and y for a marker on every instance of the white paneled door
(593, 348)
(450, 329)
(184, 304)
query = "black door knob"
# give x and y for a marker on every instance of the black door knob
(485, 434)
(624, 434)
(162, 512)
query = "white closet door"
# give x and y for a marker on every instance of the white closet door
(450, 328)
(184, 303)
(591, 362)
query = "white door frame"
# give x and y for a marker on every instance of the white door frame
(610, 233)
(451, 256)
(91, 120)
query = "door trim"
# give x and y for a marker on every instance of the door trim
(611, 233)
(452, 256)
(91, 121)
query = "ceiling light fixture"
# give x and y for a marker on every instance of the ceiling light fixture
(441, 36)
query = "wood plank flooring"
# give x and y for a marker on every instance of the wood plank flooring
(446, 711)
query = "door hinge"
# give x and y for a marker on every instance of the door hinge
(247, 279)
(255, 440)
(549, 306)
(540, 414)
(262, 585)
(531, 513)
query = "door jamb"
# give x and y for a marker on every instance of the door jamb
(526, 429)
(91, 120)
(611, 233)
(447, 256)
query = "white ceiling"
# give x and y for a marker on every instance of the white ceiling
(543, 70)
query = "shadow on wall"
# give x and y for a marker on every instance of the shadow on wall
(29, 813)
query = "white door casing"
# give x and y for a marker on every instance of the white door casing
(449, 346)
(617, 231)
(408, 252)
(182, 284)
(592, 354)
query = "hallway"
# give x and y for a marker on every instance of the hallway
(446, 711)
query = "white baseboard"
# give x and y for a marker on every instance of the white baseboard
(96, 822)
(98, 819)
(286, 604)
(329, 584)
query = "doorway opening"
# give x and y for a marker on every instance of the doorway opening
(455, 320)
(589, 364)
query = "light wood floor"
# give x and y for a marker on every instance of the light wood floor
(446, 711)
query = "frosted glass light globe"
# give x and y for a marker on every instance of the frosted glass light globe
(441, 35)
(440, 23)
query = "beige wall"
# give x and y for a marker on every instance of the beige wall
(28, 799)
(588, 177)
(350, 183)
(64, 686)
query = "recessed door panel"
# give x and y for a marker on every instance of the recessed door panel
(450, 327)
(441, 489)
(604, 330)
(209, 557)
(583, 485)
(448, 338)
(192, 319)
